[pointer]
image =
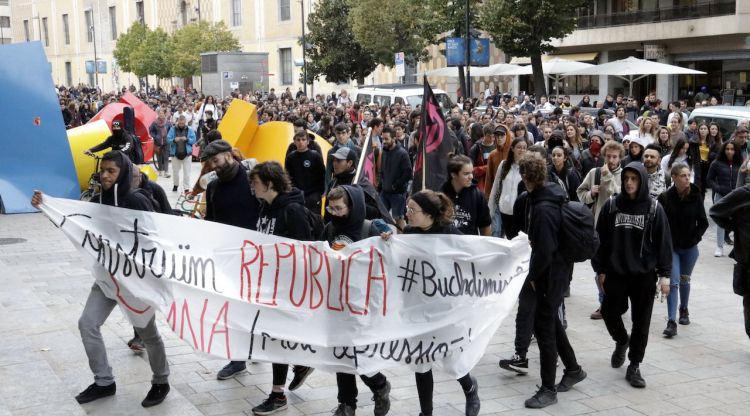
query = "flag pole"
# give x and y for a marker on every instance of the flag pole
(361, 162)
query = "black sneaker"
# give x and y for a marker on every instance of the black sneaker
(472, 399)
(300, 375)
(618, 355)
(671, 329)
(174, 189)
(232, 369)
(343, 410)
(94, 392)
(633, 376)
(382, 399)
(542, 398)
(516, 363)
(136, 344)
(275, 402)
(570, 378)
(684, 317)
(156, 395)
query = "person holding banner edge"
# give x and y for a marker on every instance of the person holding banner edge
(116, 179)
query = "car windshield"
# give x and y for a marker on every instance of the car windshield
(443, 100)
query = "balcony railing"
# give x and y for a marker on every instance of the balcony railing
(704, 9)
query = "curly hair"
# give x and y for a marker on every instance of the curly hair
(533, 169)
(272, 172)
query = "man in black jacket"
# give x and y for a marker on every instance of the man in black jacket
(306, 171)
(116, 176)
(119, 140)
(282, 213)
(635, 248)
(395, 174)
(733, 214)
(548, 278)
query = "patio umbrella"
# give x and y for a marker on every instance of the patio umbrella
(448, 71)
(493, 70)
(553, 69)
(632, 69)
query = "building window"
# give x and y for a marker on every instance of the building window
(44, 30)
(26, 29)
(140, 14)
(183, 12)
(285, 57)
(69, 74)
(236, 13)
(4, 23)
(113, 22)
(285, 13)
(66, 29)
(89, 23)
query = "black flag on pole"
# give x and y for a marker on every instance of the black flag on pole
(433, 145)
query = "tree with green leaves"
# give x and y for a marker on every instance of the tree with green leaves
(128, 43)
(152, 56)
(527, 27)
(191, 40)
(385, 27)
(332, 51)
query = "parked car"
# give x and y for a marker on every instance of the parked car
(725, 116)
(389, 94)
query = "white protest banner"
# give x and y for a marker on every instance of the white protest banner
(427, 301)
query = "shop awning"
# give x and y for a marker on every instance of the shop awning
(578, 57)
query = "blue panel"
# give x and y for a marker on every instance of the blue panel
(35, 151)
(455, 51)
(480, 52)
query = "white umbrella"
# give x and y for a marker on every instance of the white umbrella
(448, 71)
(552, 69)
(632, 69)
(493, 70)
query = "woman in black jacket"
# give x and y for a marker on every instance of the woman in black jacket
(431, 212)
(683, 204)
(562, 170)
(722, 178)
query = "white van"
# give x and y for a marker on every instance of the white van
(390, 94)
(725, 116)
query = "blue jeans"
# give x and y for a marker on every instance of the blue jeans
(683, 261)
(497, 224)
(394, 203)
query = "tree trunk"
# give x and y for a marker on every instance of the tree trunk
(540, 84)
(462, 78)
(360, 81)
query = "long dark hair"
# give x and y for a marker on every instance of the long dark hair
(713, 140)
(435, 204)
(510, 159)
(722, 156)
(676, 152)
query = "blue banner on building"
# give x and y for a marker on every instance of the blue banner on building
(456, 55)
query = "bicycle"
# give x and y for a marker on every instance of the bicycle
(94, 185)
(191, 205)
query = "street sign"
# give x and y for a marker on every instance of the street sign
(227, 75)
(400, 67)
(234, 85)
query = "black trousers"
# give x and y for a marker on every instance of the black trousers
(525, 319)
(746, 310)
(550, 334)
(425, 386)
(347, 384)
(507, 224)
(639, 290)
(280, 372)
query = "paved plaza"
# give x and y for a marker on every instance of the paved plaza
(704, 370)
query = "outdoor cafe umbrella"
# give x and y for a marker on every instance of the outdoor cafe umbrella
(477, 71)
(553, 69)
(632, 69)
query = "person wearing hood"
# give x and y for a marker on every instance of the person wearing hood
(596, 188)
(282, 213)
(346, 206)
(635, 247)
(683, 204)
(592, 158)
(635, 150)
(657, 182)
(116, 177)
(181, 140)
(548, 280)
(119, 140)
(155, 191)
(472, 214)
(344, 168)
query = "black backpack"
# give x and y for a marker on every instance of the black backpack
(578, 239)
(314, 221)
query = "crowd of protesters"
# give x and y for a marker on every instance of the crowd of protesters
(644, 171)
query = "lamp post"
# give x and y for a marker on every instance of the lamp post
(467, 92)
(96, 63)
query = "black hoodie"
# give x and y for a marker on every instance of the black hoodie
(633, 240)
(733, 214)
(374, 207)
(348, 230)
(121, 194)
(543, 209)
(687, 216)
(285, 216)
(157, 192)
(471, 210)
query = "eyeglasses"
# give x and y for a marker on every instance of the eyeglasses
(335, 210)
(411, 211)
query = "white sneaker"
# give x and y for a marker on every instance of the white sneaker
(719, 252)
